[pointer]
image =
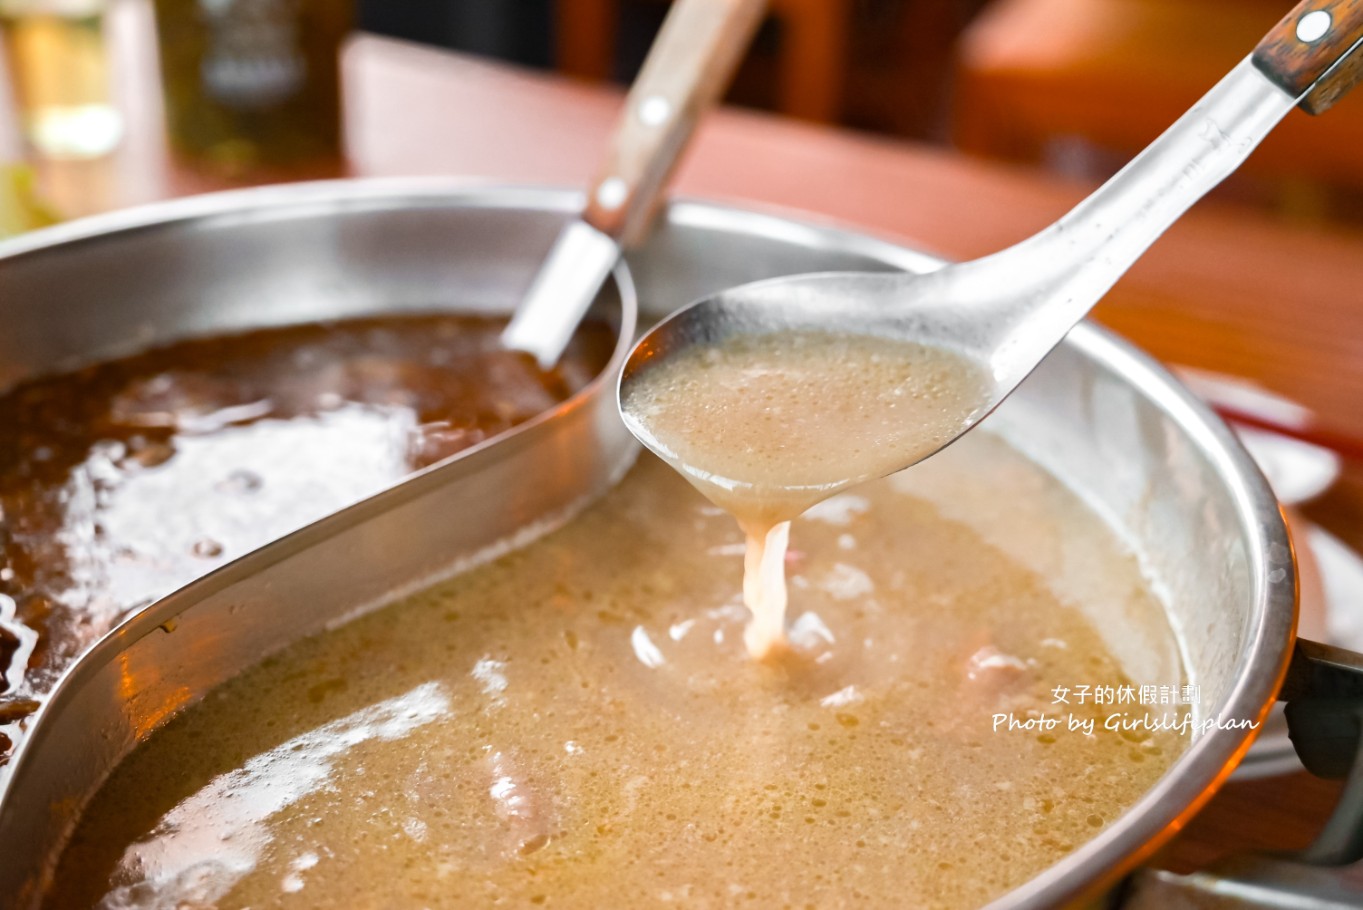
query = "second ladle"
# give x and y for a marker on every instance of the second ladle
(1005, 312)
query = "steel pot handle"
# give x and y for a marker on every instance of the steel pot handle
(1324, 695)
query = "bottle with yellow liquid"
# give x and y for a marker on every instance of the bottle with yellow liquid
(253, 84)
(21, 208)
(59, 69)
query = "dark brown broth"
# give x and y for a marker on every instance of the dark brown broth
(126, 479)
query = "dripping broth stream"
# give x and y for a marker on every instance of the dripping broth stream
(767, 425)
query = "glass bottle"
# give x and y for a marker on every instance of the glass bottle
(253, 84)
(59, 65)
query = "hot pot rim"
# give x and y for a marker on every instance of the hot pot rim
(1162, 810)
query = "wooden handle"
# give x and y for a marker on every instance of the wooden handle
(688, 67)
(1313, 53)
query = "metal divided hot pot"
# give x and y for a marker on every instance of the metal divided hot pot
(1105, 418)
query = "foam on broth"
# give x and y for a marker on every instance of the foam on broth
(578, 724)
(767, 425)
(123, 480)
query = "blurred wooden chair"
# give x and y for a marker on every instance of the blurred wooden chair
(1115, 73)
(814, 41)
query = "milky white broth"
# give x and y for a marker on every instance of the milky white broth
(578, 724)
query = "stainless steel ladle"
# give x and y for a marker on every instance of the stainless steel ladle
(1008, 310)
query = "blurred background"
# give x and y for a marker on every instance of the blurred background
(249, 90)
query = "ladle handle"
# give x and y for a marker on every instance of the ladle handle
(689, 65)
(1312, 54)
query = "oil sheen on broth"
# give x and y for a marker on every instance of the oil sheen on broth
(577, 724)
(123, 480)
(767, 425)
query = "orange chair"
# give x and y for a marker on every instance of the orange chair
(1115, 73)
(814, 40)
